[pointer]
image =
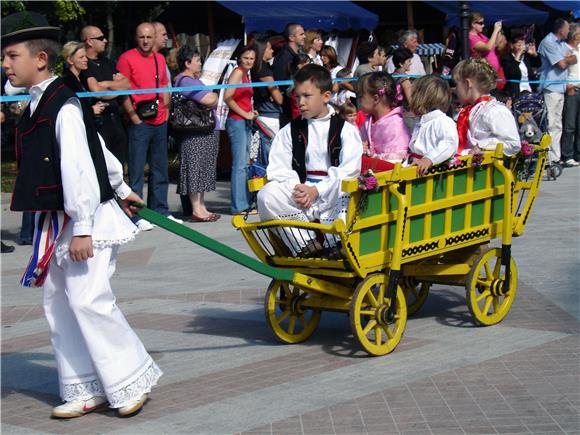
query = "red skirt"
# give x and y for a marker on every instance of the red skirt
(374, 164)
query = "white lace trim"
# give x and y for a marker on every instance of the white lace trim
(63, 248)
(100, 244)
(136, 389)
(82, 390)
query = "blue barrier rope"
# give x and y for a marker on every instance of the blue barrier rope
(15, 98)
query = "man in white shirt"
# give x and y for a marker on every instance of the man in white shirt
(571, 132)
(409, 40)
(556, 59)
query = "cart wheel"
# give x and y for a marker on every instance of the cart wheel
(415, 293)
(373, 329)
(487, 300)
(288, 318)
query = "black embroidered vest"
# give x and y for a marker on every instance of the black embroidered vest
(38, 185)
(299, 132)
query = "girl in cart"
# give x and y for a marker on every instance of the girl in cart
(434, 138)
(384, 134)
(483, 121)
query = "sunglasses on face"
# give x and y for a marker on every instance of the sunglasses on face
(479, 22)
(100, 38)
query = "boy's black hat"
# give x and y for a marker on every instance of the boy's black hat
(26, 25)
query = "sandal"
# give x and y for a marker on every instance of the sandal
(211, 218)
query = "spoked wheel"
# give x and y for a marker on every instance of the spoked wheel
(287, 316)
(375, 327)
(415, 293)
(487, 299)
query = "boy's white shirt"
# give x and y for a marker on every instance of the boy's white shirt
(490, 123)
(104, 222)
(317, 158)
(435, 137)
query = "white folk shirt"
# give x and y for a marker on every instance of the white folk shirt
(435, 137)
(106, 223)
(490, 123)
(317, 159)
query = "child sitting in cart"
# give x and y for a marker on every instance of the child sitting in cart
(434, 139)
(384, 134)
(483, 122)
(309, 158)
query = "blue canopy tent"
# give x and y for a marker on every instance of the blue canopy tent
(260, 16)
(512, 13)
(565, 6)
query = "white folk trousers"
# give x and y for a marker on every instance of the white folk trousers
(275, 202)
(97, 353)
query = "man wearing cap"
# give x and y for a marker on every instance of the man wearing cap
(72, 182)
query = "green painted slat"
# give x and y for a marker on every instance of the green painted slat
(417, 225)
(457, 218)
(477, 217)
(391, 228)
(418, 192)
(497, 178)
(497, 208)
(439, 186)
(370, 240)
(437, 223)
(373, 207)
(215, 246)
(479, 176)
(393, 204)
(460, 182)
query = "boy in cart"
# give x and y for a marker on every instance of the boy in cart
(308, 160)
(67, 175)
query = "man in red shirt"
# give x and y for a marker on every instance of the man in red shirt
(146, 69)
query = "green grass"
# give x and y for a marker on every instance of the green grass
(8, 176)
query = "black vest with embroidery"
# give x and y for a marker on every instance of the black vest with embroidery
(38, 185)
(299, 132)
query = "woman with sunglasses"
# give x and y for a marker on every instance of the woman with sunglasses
(75, 56)
(480, 46)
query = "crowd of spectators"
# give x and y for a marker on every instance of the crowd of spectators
(137, 137)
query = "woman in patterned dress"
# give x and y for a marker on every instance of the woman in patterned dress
(197, 151)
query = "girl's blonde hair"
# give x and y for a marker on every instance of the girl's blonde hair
(479, 71)
(430, 93)
(70, 48)
(310, 36)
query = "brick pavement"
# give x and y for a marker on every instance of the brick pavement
(202, 320)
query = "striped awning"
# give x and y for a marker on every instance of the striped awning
(428, 49)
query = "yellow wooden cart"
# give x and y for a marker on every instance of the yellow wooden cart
(398, 240)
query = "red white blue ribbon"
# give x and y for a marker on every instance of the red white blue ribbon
(48, 227)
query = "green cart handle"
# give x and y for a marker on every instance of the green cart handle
(213, 245)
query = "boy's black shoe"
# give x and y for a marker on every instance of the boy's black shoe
(7, 248)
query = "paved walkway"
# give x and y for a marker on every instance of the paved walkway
(201, 318)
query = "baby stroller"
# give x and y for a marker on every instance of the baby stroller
(530, 113)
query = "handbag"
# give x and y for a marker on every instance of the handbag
(148, 109)
(188, 116)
